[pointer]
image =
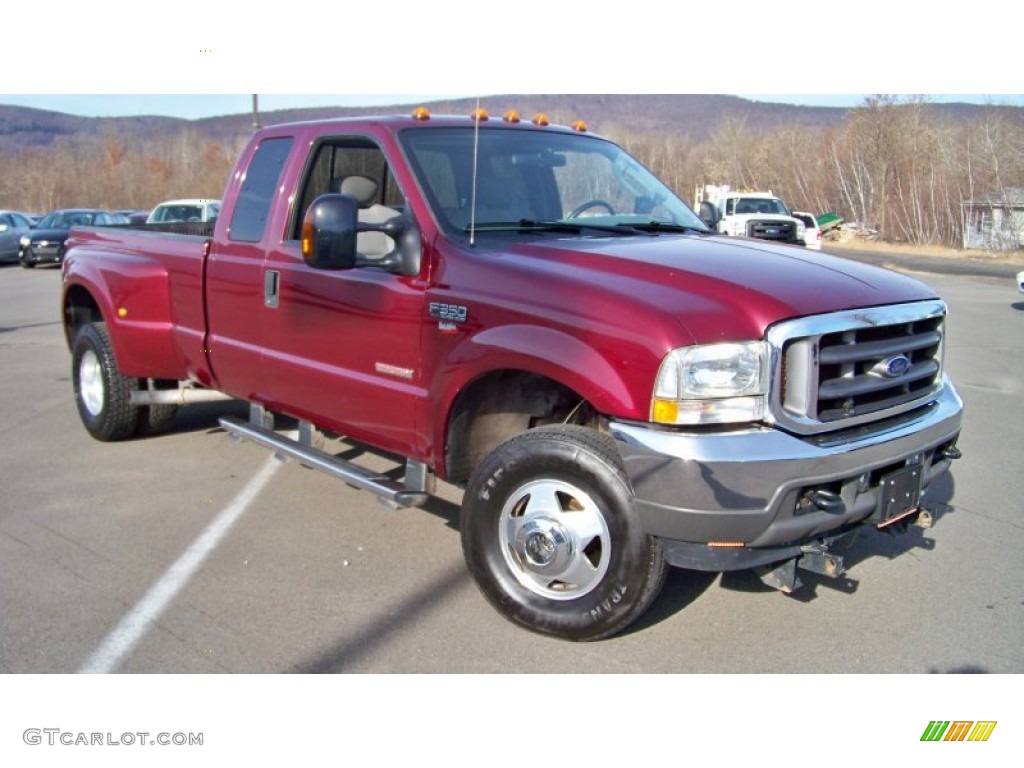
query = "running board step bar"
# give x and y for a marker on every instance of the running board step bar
(392, 493)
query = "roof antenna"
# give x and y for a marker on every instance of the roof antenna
(476, 149)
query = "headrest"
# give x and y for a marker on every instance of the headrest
(364, 190)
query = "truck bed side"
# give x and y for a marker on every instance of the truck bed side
(148, 287)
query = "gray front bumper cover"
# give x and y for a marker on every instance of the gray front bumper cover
(744, 486)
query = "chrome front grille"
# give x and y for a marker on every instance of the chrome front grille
(784, 231)
(849, 368)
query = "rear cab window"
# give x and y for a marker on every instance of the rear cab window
(256, 195)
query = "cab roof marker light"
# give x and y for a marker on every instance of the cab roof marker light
(579, 126)
(540, 119)
(511, 116)
(421, 113)
(480, 115)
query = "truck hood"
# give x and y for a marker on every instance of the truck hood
(718, 288)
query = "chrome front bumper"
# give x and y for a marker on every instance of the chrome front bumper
(750, 486)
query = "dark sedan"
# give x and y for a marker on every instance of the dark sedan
(45, 243)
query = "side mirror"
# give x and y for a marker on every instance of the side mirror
(329, 232)
(709, 215)
(407, 256)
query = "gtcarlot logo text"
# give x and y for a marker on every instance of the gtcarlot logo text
(56, 736)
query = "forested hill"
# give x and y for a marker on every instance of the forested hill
(900, 165)
(692, 115)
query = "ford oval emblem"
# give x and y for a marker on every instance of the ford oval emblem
(895, 366)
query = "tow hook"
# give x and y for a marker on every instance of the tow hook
(826, 501)
(814, 558)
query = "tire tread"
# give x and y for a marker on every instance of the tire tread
(119, 419)
(601, 447)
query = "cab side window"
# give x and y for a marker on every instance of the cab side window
(358, 168)
(340, 161)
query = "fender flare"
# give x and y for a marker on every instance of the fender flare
(547, 352)
(132, 295)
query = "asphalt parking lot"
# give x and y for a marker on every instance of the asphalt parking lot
(190, 553)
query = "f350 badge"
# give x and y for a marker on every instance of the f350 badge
(449, 316)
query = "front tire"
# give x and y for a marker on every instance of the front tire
(102, 393)
(550, 535)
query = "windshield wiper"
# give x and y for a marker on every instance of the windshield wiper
(667, 226)
(572, 227)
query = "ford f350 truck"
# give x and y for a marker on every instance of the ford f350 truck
(524, 311)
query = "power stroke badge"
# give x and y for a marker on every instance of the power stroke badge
(449, 316)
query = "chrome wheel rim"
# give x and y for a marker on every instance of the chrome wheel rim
(555, 539)
(90, 382)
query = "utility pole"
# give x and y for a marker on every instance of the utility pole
(255, 112)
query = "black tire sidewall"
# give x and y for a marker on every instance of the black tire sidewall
(621, 595)
(116, 419)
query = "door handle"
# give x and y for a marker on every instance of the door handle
(271, 288)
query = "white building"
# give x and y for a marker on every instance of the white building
(996, 222)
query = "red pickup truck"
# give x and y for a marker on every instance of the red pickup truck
(526, 312)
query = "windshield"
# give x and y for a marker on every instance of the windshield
(66, 219)
(538, 177)
(759, 205)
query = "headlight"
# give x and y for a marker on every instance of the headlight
(24, 241)
(712, 384)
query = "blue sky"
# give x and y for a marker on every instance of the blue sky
(184, 62)
(192, 106)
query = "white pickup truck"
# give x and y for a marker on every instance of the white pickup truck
(761, 215)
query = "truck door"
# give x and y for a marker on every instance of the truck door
(343, 348)
(234, 269)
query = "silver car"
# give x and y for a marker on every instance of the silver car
(13, 224)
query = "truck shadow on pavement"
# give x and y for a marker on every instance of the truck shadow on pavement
(9, 329)
(347, 654)
(203, 416)
(682, 587)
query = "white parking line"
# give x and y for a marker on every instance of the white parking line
(127, 634)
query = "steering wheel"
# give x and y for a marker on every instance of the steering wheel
(595, 203)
